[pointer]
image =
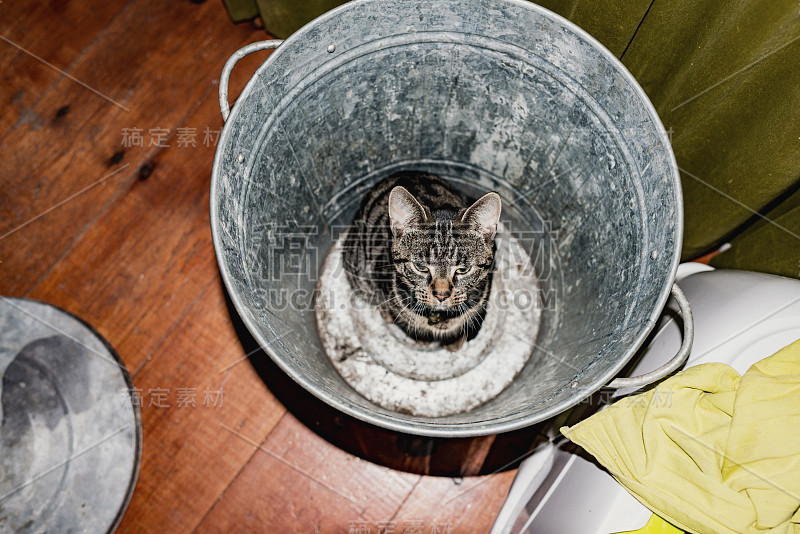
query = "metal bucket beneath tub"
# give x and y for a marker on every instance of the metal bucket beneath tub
(493, 96)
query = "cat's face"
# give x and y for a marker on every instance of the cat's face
(444, 258)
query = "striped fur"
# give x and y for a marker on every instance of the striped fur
(428, 267)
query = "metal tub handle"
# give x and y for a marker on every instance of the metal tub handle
(676, 361)
(224, 77)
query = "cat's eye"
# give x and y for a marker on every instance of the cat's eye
(421, 268)
(463, 270)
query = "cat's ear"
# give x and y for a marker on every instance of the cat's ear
(404, 210)
(484, 214)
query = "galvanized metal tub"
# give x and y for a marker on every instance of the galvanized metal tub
(498, 95)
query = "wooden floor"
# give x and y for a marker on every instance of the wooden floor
(108, 124)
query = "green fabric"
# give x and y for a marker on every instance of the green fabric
(709, 451)
(725, 79)
(771, 246)
(613, 23)
(241, 10)
(283, 17)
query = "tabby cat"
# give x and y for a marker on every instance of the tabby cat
(425, 259)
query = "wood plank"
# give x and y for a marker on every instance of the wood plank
(188, 458)
(170, 49)
(56, 32)
(295, 502)
(150, 252)
(343, 490)
(455, 505)
(141, 288)
(476, 455)
(378, 490)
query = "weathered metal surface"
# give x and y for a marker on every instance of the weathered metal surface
(493, 95)
(70, 438)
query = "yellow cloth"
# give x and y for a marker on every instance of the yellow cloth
(708, 450)
(656, 525)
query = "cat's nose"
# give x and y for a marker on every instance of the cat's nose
(441, 295)
(441, 289)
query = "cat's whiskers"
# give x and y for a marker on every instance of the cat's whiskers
(397, 301)
(467, 322)
(471, 321)
(414, 322)
(396, 296)
(474, 315)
